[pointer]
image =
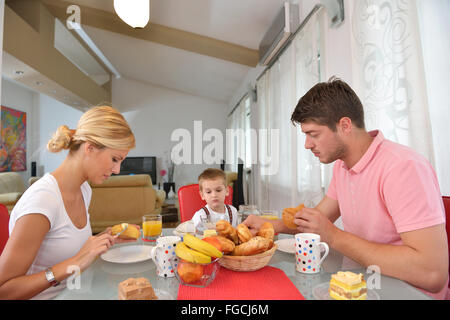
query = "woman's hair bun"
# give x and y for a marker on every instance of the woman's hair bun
(61, 139)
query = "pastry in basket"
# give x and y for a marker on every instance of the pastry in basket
(136, 289)
(254, 246)
(348, 286)
(226, 244)
(288, 216)
(267, 231)
(243, 233)
(131, 233)
(225, 229)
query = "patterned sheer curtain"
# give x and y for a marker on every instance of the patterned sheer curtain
(299, 177)
(388, 71)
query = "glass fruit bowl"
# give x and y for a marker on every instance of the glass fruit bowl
(191, 274)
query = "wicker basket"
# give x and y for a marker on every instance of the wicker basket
(247, 263)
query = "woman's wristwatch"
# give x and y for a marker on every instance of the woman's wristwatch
(51, 277)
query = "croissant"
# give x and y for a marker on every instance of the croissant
(255, 245)
(243, 233)
(226, 244)
(225, 229)
(288, 216)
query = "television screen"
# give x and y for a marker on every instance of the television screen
(139, 165)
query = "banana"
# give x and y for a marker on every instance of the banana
(202, 246)
(183, 252)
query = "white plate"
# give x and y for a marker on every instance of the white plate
(183, 228)
(161, 294)
(286, 245)
(320, 292)
(128, 254)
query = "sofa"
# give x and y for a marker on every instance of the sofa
(11, 189)
(123, 199)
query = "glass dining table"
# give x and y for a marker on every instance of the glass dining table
(100, 281)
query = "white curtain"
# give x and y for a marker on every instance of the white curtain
(299, 177)
(388, 72)
(235, 137)
(434, 22)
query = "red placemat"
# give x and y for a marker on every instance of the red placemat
(268, 283)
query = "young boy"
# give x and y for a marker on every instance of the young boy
(213, 190)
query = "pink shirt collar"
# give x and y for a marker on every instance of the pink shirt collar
(368, 155)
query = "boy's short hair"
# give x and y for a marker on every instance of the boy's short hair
(211, 174)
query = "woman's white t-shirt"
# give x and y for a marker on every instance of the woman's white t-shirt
(63, 240)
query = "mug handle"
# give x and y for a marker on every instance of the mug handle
(327, 249)
(153, 252)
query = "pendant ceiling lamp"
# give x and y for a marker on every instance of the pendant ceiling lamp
(135, 13)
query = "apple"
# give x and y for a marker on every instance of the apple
(214, 242)
(189, 272)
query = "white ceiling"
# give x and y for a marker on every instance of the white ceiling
(242, 22)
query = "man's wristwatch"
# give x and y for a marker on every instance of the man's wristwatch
(51, 277)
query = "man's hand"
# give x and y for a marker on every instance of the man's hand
(254, 223)
(311, 220)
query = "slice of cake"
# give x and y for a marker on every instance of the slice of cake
(136, 289)
(348, 286)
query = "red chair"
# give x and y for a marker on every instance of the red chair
(190, 200)
(4, 229)
(446, 201)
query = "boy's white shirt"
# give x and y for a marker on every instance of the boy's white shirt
(201, 213)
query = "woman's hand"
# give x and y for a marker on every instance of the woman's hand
(93, 247)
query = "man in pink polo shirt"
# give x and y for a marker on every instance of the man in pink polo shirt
(386, 194)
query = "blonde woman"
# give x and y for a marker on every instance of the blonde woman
(49, 227)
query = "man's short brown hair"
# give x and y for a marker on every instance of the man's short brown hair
(327, 102)
(211, 174)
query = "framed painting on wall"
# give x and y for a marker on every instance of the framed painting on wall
(13, 151)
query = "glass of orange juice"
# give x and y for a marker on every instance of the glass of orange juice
(151, 227)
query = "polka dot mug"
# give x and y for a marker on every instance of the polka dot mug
(162, 252)
(308, 257)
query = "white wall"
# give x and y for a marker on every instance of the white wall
(52, 114)
(154, 112)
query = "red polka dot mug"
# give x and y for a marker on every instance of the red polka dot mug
(162, 252)
(308, 257)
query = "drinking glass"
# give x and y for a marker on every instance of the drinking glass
(205, 224)
(270, 214)
(151, 227)
(246, 210)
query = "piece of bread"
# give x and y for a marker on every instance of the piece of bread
(254, 246)
(267, 231)
(136, 289)
(243, 233)
(288, 216)
(226, 244)
(131, 233)
(225, 229)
